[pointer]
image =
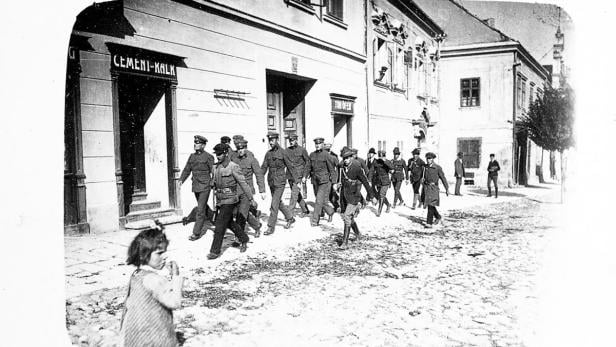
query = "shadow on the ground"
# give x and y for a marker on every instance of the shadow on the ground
(484, 191)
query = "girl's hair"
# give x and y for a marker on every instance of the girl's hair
(146, 242)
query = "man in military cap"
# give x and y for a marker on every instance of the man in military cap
(352, 178)
(274, 164)
(364, 167)
(322, 173)
(333, 195)
(415, 175)
(298, 157)
(493, 169)
(236, 140)
(380, 172)
(398, 176)
(229, 183)
(459, 172)
(432, 174)
(249, 166)
(200, 165)
(370, 163)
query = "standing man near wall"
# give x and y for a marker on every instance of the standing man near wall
(200, 164)
(432, 174)
(227, 177)
(249, 166)
(298, 156)
(398, 176)
(333, 195)
(380, 172)
(493, 169)
(322, 173)
(274, 165)
(459, 172)
(415, 173)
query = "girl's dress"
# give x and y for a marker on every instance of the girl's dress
(147, 322)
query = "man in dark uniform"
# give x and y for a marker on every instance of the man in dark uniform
(322, 173)
(236, 140)
(249, 166)
(298, 156)
(274, 165)
(415, 174)
(459, 172)
(398, 176)
(333, 195)
(380, 171)
(227, 177)
(352, 177)
(433, 173)
(200, 164)
(226, 140)
(370, 164)
(364, 168)
(493, 169)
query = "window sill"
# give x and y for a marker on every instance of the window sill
(398, 90)
(382, 85)
(470, 108)
(302, 6)
(335, 21)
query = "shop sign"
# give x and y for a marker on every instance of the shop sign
(142, 65)
(341, 105)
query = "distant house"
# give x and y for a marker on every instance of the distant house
(487, 81)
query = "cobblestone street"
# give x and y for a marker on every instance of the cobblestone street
(470, 282)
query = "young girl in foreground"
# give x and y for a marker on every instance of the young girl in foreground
(148, 317)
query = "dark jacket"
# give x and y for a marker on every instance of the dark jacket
(380, 172)
(274, 164)
(415, 169)
(352, 177)
(364, 166)
(233, 154)
(298, 157)
(321, 168)
(227, 177)
(431, 177)
(249, 166)
(200, 164)
(493, 168)
(459, 168)
(400, 170)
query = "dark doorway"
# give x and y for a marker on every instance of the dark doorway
(521, 158)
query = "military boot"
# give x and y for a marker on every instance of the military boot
(388, 207)
(356, 231)
(345, 237)
(289, 223)
(495, 192)
(415, 198)
(269, 231)
(378, 213)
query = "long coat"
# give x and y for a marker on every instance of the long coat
(431, 176)
(459, 168)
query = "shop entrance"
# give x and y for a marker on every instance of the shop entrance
(342, 115)
(285, 105)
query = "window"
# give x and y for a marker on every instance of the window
(523, 100)
(531, 94)
(400, 71)
(521, 92)
(334, 8)
(382, 146)
(469, 92)
(471, 147)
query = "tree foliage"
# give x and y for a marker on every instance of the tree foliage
(549, 121)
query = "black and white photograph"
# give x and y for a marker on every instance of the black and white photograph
(309, 173)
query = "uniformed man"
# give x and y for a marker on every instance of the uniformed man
(364, 168)
(236, 140)
(274, 164)
(380, 172)
(370, 163)
(459, 172)
(400, 171)
(432, 174)
(493, 169)
(298, 156)
(352, 177)
(200, 164)
(249, 166)
(322, 173)
(228, 183)
(415, 174)
(226, 140)
(333, 194)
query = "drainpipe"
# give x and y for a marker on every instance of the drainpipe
(514, 168)
(366, 49)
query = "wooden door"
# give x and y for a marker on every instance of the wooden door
(274, 114)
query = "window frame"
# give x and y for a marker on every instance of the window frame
(329, 13)
(470, 88)
(468, 163)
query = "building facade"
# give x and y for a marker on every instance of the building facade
(487, 81)
(144, 77)
(402, 76)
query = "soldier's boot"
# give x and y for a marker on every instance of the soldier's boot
(356, 231)
(345, 237)
(415, 198)
(378, 212)
(388, 207)
(289, 223)
(269, 231)
(489, 192)
(304, 207)
(495, 192)
(395, 200)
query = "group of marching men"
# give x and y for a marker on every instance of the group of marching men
(334, 181)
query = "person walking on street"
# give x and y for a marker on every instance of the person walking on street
(200, 165)
(274, 165)
(227, 177)
(433, 173)
(364, 167)
(380, 172)
(493, 169)
(398, 176)
(298, 157)
(249, 166)
(370, 163)
(333, 195)
(322, 173)
(415, 175)
(459, 172)
(352, 178)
